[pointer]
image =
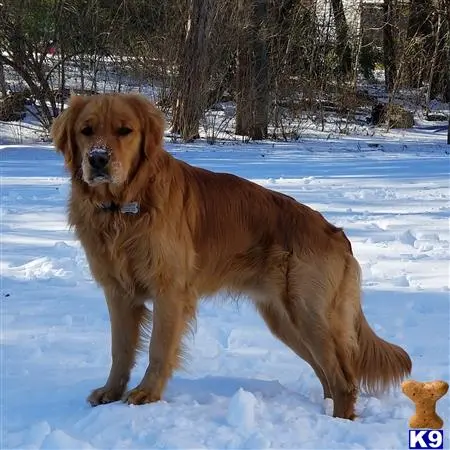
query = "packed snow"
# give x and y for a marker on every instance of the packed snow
(242, 387)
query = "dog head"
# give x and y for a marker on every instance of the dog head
(104, 137)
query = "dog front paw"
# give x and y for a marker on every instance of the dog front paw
(104, 395)
(140, 396)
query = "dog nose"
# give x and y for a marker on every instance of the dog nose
(98, 159)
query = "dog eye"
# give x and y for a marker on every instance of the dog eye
(123, 131)
(87, 131)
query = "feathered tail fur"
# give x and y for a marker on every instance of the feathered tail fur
(379, 364)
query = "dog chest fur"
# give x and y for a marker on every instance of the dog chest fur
(114, 249)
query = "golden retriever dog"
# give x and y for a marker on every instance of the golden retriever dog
(157, 229)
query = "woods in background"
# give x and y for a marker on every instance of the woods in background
(275, 61)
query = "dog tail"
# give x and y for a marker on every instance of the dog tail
(379, 364)
(145, 319)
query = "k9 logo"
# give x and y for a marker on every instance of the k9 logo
(426, 439)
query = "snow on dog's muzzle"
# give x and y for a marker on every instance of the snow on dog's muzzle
(99, 158)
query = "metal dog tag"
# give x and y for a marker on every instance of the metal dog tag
(130, 208)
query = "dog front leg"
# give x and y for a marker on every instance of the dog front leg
(126, 319)
(172, 315)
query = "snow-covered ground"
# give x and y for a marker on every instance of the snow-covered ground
(243, 389)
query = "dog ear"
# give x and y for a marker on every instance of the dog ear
(62, 130)
(153, 123)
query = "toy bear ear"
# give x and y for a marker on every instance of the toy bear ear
(62, 131)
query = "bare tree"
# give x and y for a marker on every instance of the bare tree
(194, 70)
(253, 71)
(390, 68)
(343, 48)
(420, 41)
(438, 76)
(448, 131)
(3, 87)
(25, 48)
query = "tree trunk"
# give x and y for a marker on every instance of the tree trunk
(433, 79)
(244, 74)
(81, 69)
(390, 68)
(448, 131)
(252, 115)
(62, 86)
(440, 75)
(192, 95)
(3, 87)
(261, 63)
(420, 41)
(447, 62)
(343, 46)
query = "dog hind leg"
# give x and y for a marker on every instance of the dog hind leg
(309, 293)
(283, 330)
